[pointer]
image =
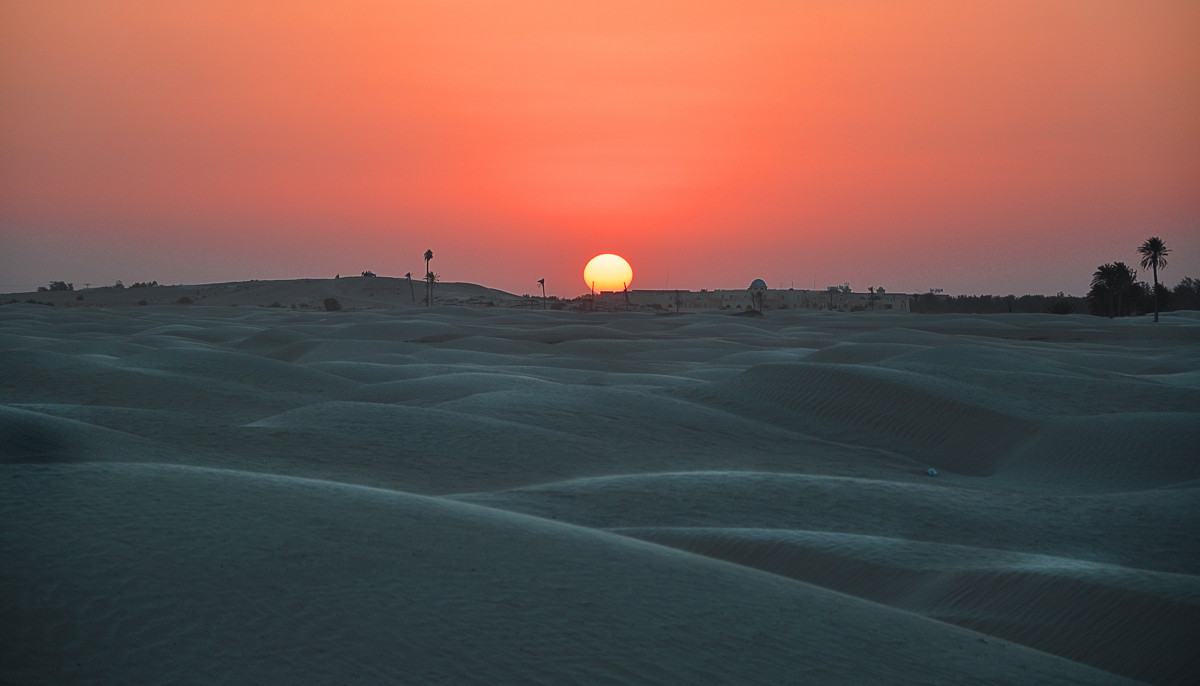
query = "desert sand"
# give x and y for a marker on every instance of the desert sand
(216, 494)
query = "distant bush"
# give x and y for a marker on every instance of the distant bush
(145, 284)
(332, 304)
(1186, 295)
(1061, 307)
(368, 273)
(61, 286)
(936, 303)
(184, 300)
(118, 284)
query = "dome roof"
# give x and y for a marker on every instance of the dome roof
(758, 284)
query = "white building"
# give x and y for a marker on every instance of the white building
(839, 299)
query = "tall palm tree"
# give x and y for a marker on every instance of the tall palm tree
(412, 295)
(542, 283)
(1154, 255)
(428, 279)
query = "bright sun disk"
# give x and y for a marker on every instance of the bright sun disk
(608, 272)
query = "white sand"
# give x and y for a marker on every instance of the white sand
(452, 495)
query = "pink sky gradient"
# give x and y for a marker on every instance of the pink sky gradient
(979, 147)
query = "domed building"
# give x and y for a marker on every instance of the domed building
(758, 293)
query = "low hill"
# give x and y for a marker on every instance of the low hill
(353, 293)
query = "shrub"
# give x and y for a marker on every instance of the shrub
(1061, 307)
(332, 304)
(1186, 295)
(61, 286)
(368, 273)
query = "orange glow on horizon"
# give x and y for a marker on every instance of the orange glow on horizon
(952, 144)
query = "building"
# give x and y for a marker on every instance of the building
(835, 298)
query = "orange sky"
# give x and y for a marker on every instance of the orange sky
(980, 147)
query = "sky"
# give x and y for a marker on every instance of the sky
(991, 146)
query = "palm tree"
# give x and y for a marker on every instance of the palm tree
(1111, 282)
(542, 283)
(428, 279)
(412, 295)
(1154, 255)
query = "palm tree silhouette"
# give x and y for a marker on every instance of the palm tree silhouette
(428, 279)
(542, 283)
(1111, 281)
(412, 295)
(1154, 255)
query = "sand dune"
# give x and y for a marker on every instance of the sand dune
(495, 495)
(918, 416)
(1063, 606)
(1152, 525)
(244, 577)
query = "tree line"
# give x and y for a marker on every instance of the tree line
(1114, 292)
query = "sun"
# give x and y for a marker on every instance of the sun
(608, 272)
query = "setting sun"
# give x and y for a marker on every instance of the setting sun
(608, 272)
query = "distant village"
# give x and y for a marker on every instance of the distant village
(756, 298)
